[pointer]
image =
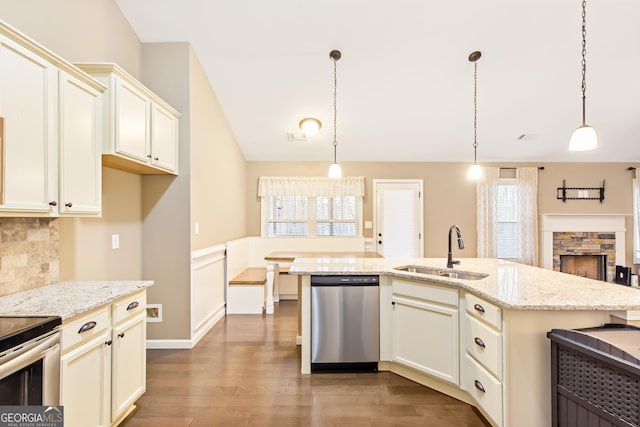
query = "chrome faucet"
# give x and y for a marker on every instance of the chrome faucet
(450, 260)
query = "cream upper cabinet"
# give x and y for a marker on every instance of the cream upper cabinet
(51, 115)
(164, 134)
(80, 173)
(141, 135)
(131, 136)
(28, 94)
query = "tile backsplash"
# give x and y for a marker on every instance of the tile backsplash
(29, 253)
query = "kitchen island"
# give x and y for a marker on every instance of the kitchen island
(481, 341)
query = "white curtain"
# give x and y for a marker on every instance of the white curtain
(527, 184)
(310, 186)
(487, 213)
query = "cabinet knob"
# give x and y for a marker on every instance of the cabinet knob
(379, 242)
(121, 335)
(479, 342)
(133, 305)
(149, 155)
(68, 204)
(479, 308)
(87, 327)
(109, 342)
(53, 203)
(479, 385)
(156, 158)
(393, 303)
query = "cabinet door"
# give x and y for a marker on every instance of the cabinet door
(28, 88)
(425, 337)
(164, 139)
(85, 382)
(132, 110)
(129, 365)
(80, 141)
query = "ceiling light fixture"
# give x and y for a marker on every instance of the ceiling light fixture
(475, 171)
(585, 137)
(335, 171)
(310, 125)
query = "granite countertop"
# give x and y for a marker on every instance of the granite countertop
(509, 285)
(68, 299)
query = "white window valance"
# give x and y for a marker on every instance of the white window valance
(310, 186)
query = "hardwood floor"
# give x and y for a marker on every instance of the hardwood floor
(246, 371)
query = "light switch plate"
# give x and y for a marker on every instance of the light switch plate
(115, 241)
(368, 224)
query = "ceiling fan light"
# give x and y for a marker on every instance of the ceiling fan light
(335, 171)
(584, 138)
(475, 172)
(310, 125)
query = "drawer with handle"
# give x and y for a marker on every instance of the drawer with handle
(84, 328)
(129, 306)
(481, 309)
(484, 344)
(485, 389)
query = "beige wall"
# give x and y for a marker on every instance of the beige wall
(218, 168)
(77, 30)
(209, 189)
(85, 243)
(451, 199)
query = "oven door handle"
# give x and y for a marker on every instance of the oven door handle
(27, 355)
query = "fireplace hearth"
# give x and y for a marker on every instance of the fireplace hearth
(590, 266)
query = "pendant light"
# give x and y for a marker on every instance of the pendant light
(585, 137)
(475, 171)
(335, 171)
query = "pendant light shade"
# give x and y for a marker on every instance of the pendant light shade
(475, 171)
(335, 171)
(585, 137)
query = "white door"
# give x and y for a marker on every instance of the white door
(398, 218)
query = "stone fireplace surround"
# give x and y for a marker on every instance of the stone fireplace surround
(589, 223)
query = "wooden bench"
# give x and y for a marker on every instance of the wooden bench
(245, 294)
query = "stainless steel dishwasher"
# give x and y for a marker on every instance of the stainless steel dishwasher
(345, 323)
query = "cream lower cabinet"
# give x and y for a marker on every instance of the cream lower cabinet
(103, 363)
(128, 368)
(425, 328)
(484, 354)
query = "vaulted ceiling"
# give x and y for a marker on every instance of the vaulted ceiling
(405, 84)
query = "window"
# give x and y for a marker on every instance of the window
(507, 221)
(327, 210)
(508, 215)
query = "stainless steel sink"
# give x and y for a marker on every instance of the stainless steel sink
(466, 275)
(454, 274)
(419, 269)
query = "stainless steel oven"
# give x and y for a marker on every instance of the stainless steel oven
(30, 361)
